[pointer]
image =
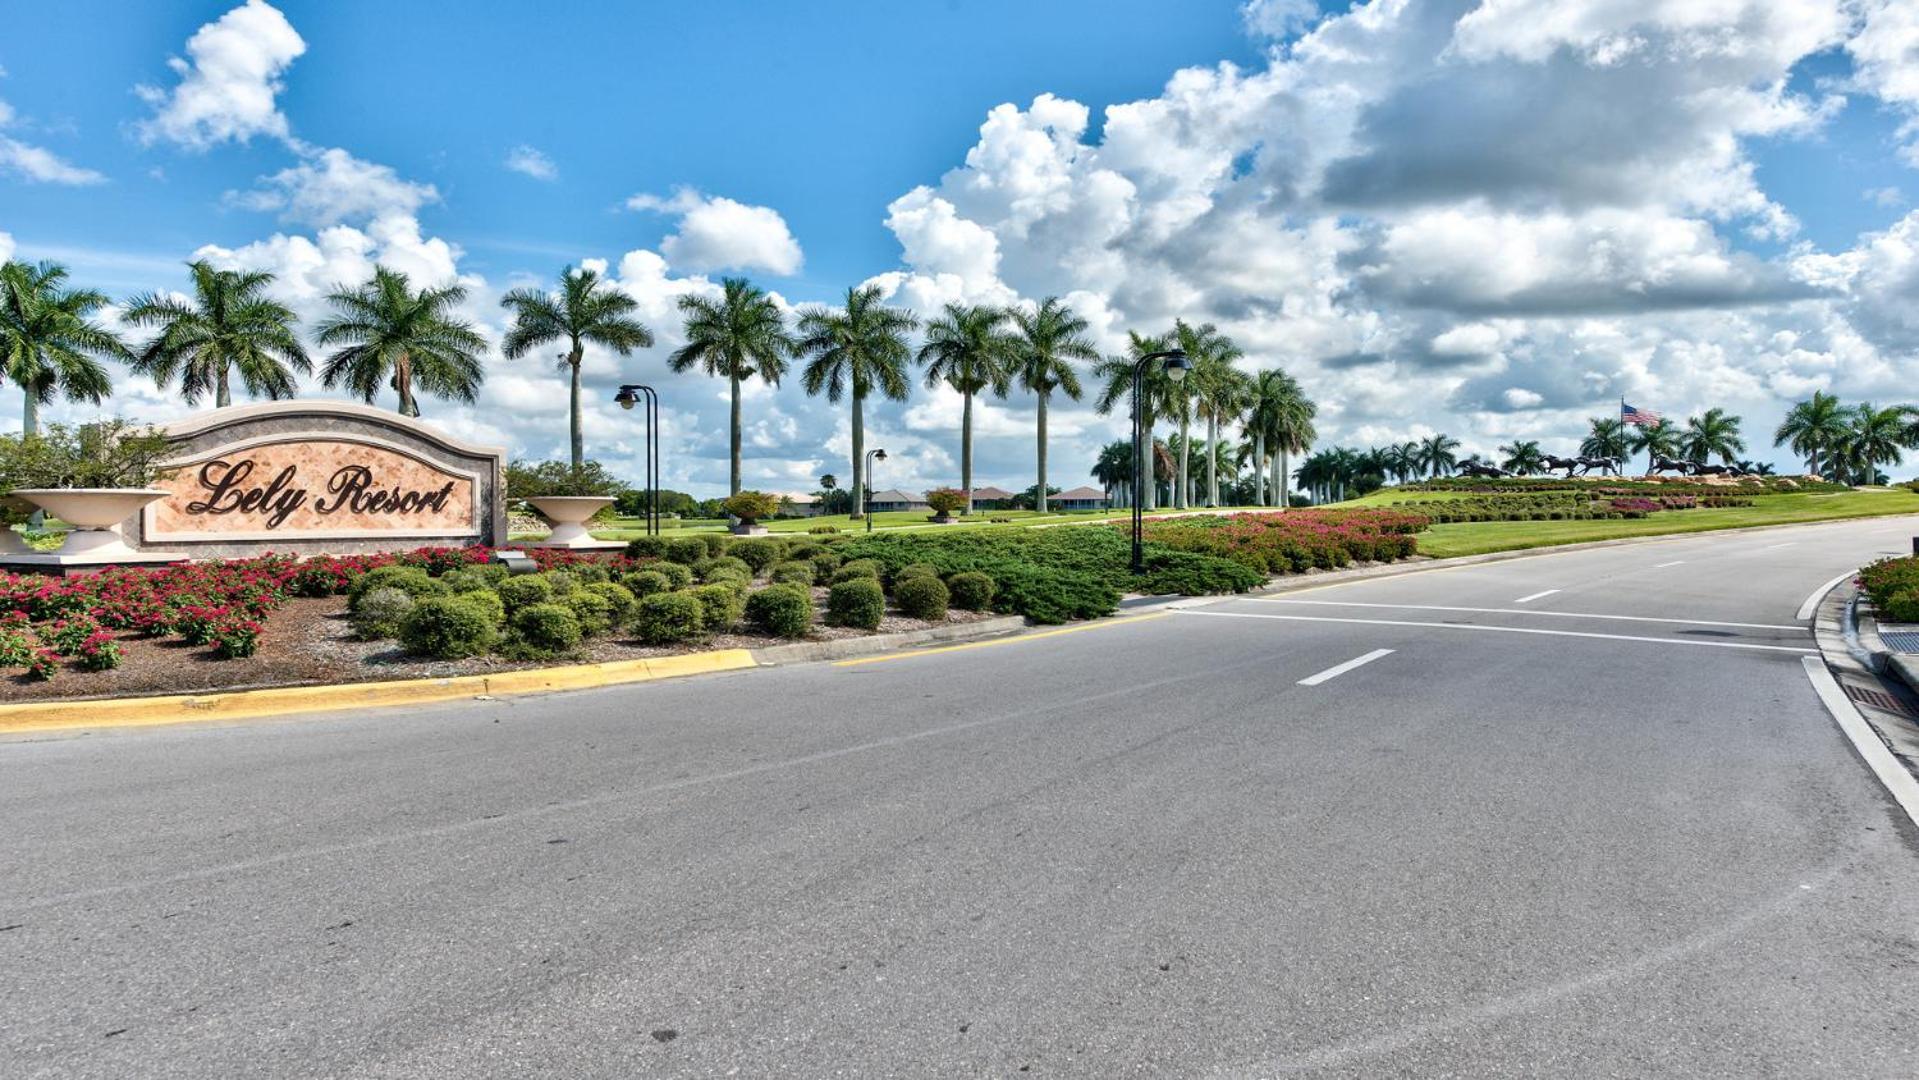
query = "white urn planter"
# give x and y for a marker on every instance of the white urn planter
(569, 515)
(747, 528)
(95, 514)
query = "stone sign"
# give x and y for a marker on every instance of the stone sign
(311, 476)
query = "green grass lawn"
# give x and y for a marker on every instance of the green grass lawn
(1478, 537)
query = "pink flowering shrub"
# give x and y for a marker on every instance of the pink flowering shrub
(1295, 541)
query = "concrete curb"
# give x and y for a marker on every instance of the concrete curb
(1852, 662)
(802, 652)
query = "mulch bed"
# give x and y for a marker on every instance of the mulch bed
(309, 642)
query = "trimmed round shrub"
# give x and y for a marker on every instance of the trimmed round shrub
(447, 628)
(827, 561)
(857, 601)
(541, 630)
(669, 618)
(922, 596)
(782, 610)
(646, 547)
(593, 611)
(708, 569)
(737, 580)
(524, 591)
(647, 582)
(823, 530)
(464, 581)
(797, 572)
(487, 602)
(757, 553)
(1902, 606)
(411, 580)
(589, 573)
(857, 568)
(971, 591)
(720, 605)
(493, 572)
(678, 575)
(560, 581)
(619, 596)
(685, 550)
(379, 614)
(715, 544)
(913, 570)
(802, 549)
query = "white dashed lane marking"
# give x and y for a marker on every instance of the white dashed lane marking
(1337, 670)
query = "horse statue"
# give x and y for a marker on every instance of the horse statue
(1569, 464)
(1712, 470)
(1660, 465)
(1606, 465)
(1474, 468)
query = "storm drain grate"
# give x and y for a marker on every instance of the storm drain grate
(1878, 699)
(1901, 640)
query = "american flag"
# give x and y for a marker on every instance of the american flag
(1642, 417)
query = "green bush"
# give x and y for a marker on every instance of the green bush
(620, 599)
(1192, 574)
(592, 611)
(524, 591)
(487, 603)
(447, 628)
(590, 573)
(1053, 597)
(757, 553)
(857, 601)
(1901, 607)
(560, 581)
(646, 582)
(410, 580)
(678, 575)
(715, 544)
(751, 506)
(685, 550)
(544, 630)
(797, 572)
(720, 605)
(646, 547)
(465, 581)
(913, 570)
(707, 568)
(782, 610)
(380, 612)
(668, 618)
(823, 530)
(857, 568)
(826, 562)
(921, 596)
(971, 590)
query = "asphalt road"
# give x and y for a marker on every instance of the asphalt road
(1527, 841)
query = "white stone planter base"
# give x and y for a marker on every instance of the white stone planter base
(755, 530)
(588, 544)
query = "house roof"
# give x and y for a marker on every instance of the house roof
(1081, 492)
(991, 492)
(895, 495)
(800, 498)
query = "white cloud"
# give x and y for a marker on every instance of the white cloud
(37, 164)
(1885, 56)
(1888, 198)
(229, 86)
(332, 186)
(717, 233)
(6, 246)
(531, 162)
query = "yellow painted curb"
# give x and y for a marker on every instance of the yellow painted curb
(288, 700)
(1080, 629)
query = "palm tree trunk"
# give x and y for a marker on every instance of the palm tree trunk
(578, 441)
(733, 438)
(1212, 460)
(30, 416)
(403, 383)
(966, 449)
(222, 396)
(859, 451)
(1285, 503)
(1039, 493)
(1185, 447)
(1259, 468)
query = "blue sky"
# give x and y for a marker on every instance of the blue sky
(1490, 218)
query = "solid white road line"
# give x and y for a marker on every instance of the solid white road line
(1534, 613)
(1497, 630)
(1675, 562)
(1337, 670)
(1899, 783)
(1535, 596)
(1812, 602)
(1776, 547)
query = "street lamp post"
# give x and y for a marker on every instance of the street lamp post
(628, 397)
(1176, 368)
(866, 487)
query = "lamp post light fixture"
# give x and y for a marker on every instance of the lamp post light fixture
(1176, 366)
(627, 398)
(866, 487)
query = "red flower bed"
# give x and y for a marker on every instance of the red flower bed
(1295, 541)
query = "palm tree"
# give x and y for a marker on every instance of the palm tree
(580, 312)
(1113, 468)
(1292, 432)
(968, 349)
(1051, 337)
(1436, 454)
(48, 342)
(1812, 427)
(1875, 439)
(1712, 433)
(1160, 396)
(1608, 438)
(741, 335)
(1658, 440)
(1265, 397)
(861, 347)
(394, 336)
(230, 325)
(1523, 457)
(1220, 393)
(1204, 347)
